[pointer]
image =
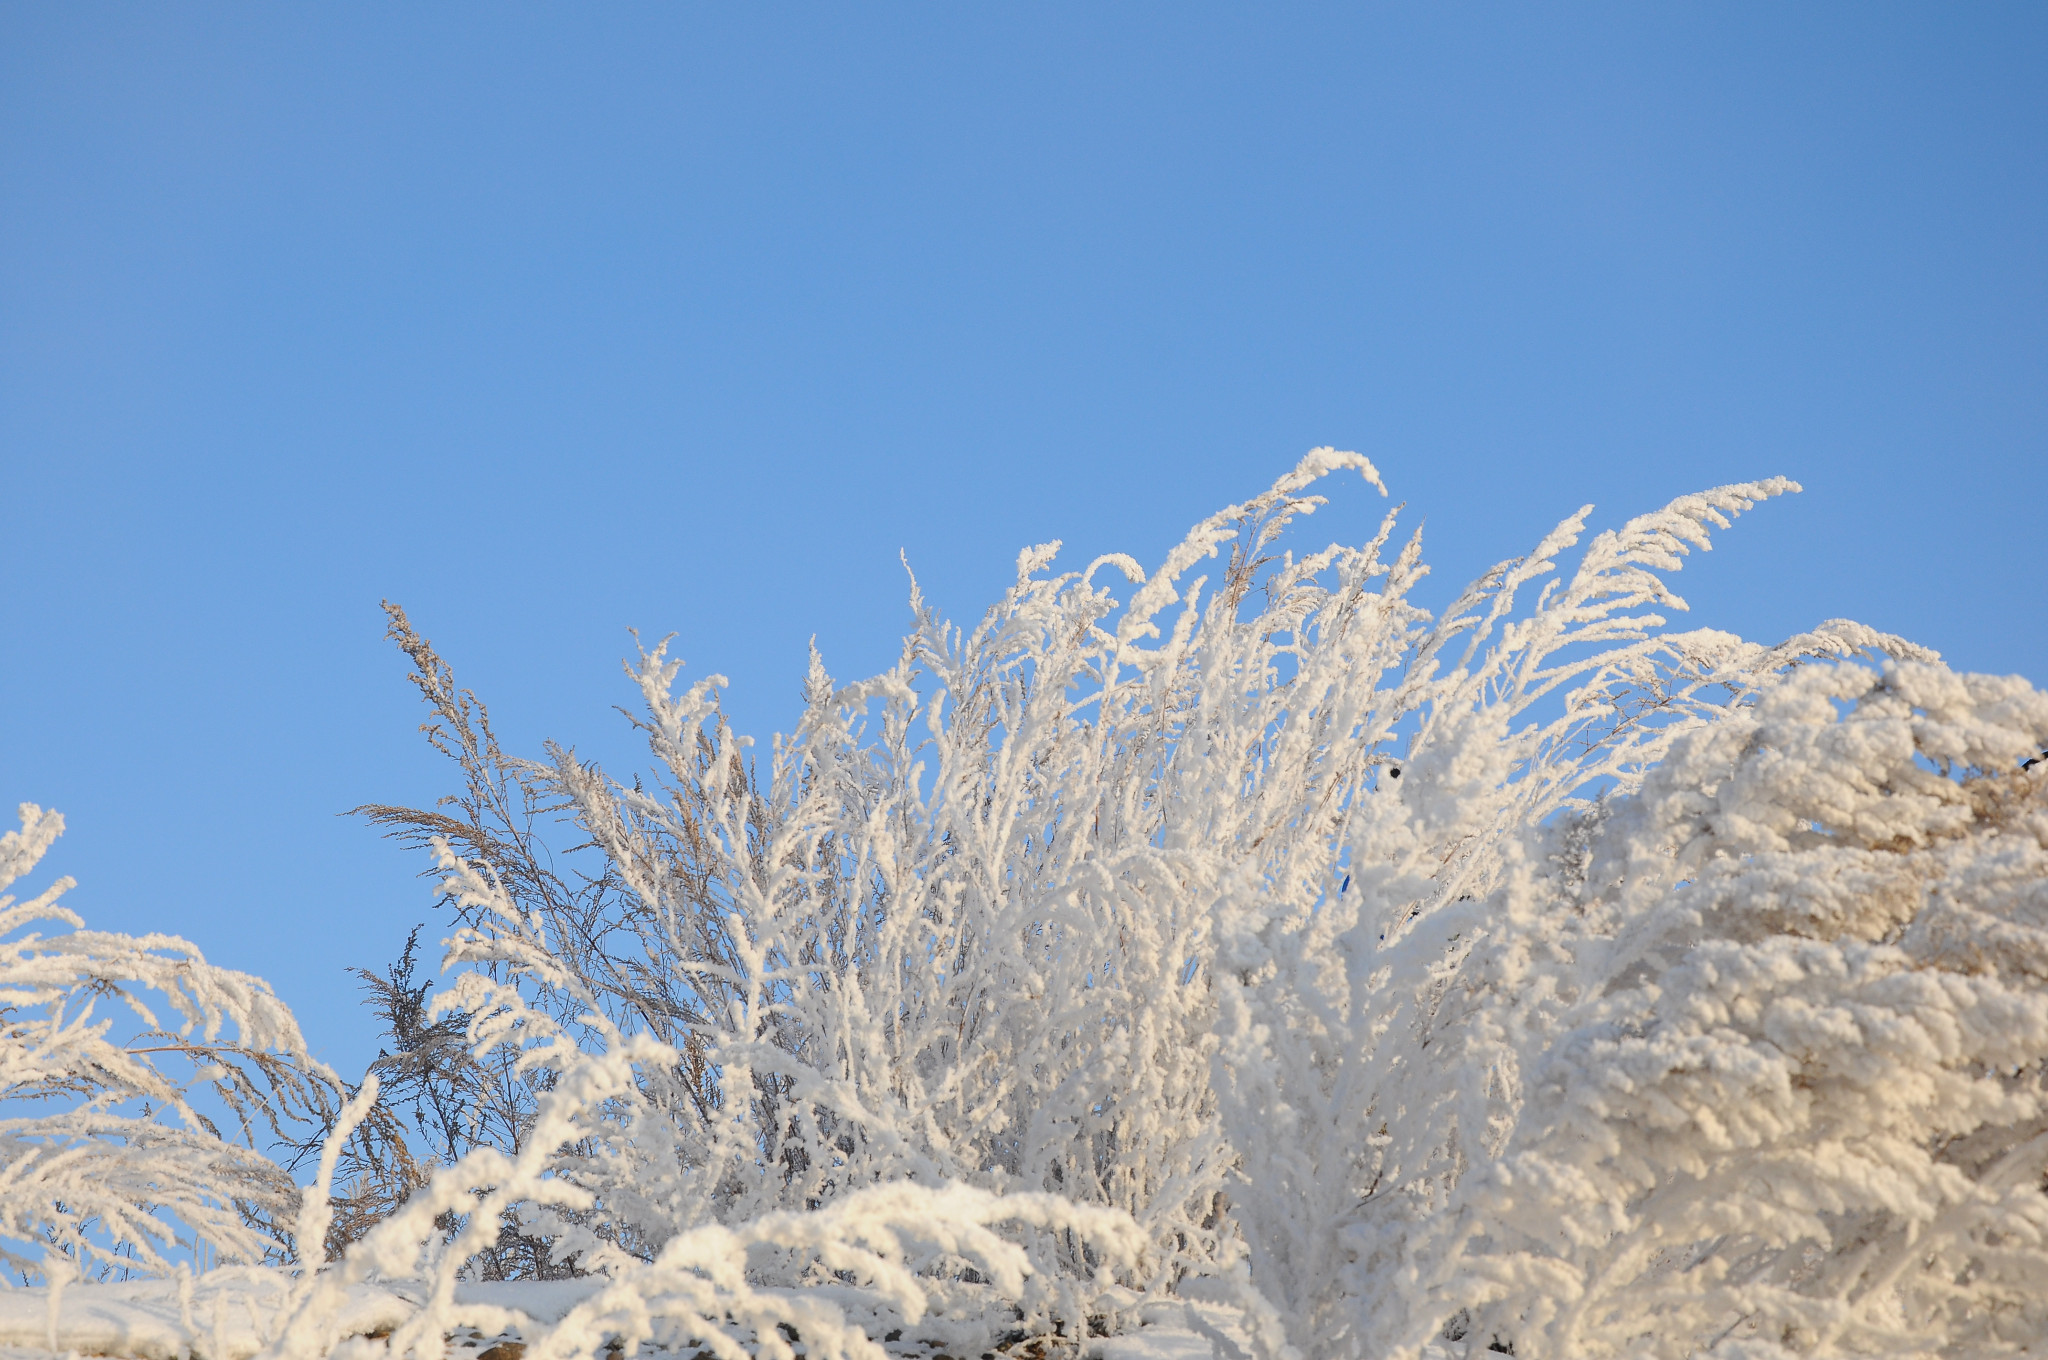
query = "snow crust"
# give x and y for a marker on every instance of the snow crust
(230, 1314)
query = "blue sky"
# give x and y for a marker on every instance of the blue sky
(552, 322)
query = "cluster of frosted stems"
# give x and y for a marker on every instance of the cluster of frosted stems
(1395, 983)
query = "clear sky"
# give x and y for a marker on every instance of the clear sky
(551, 321)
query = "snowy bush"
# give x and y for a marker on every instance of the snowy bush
(107, 1164)
(1522, 977)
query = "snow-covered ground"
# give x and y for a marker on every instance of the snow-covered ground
(231, 1314)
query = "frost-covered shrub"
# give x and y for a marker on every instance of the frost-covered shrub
(109, 1160)
(1524, 976)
